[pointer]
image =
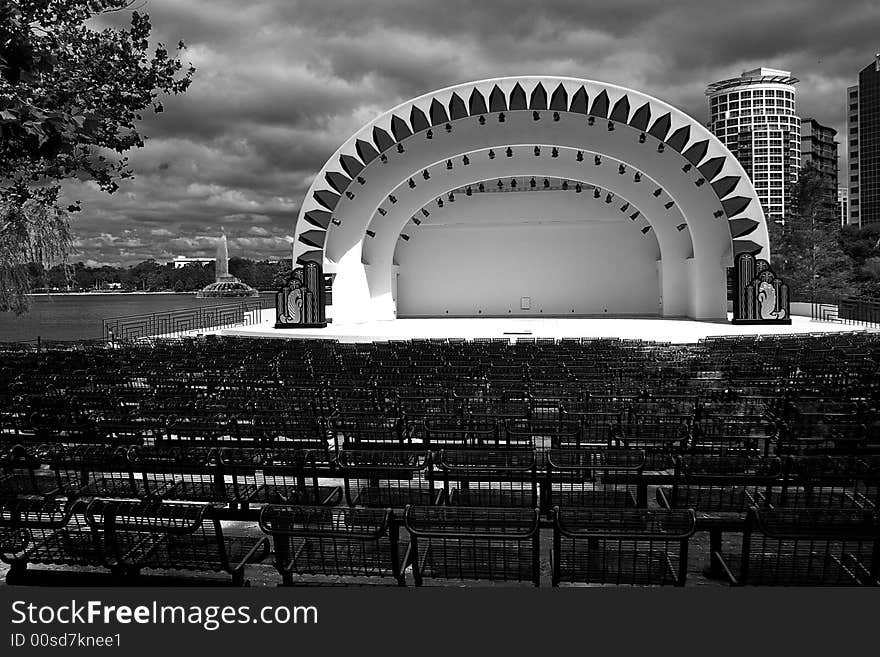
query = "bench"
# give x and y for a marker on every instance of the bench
(21, 472)
(641, 547)
(387, 478)
(598, 478)
(469, 543)
(486, 477)
(321, 543)
(806, 547)
(293, 476)
(659, 440)
(158, 535)
(831, 482)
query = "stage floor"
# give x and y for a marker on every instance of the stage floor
(662, 330)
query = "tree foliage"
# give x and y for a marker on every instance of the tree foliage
(71, 100)
(807, 250)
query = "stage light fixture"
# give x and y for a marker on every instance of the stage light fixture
(621, 169)
(491, 154)
(425, 174)
(658, 191)
(451, 197)
(482, 120)
(565, 185)
(425, 212)
(580, 156)
(349, 195)
(718, 214)
(597, 193)
(642, 138)
(481, 187)
(554, 152)
(448, 164)
(637, 178)
(669, 205)
(371, 233)
(556, 116)
(468, 191)
(536, 116)
(404, 237)
(533, 183)
(597, 160)
(661, 147)
(634, 215)
(624, 207)
(383, 158)
(439, 202)
(537, 152)
(448, 127)
(335, 222)
(578, 189)
(700, 182)
(429, 134)
(501, 117)
(500, 185)
(513, 183)
(611, 126)
(417, 221)
(681, 227)
(509, 152)
(412, 183)
(465, 160)
(609, 197)
(361, 180)
(591, 120)
(645, 230)
(687, 167)
(400, 148)
(382, 211)
(546, 184)
(392, 198)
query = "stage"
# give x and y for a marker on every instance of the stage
(657, 329)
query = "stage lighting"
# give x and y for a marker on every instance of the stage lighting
(465, 160)
(554, 152)
(621, 169)
(597, 160)
(580, 156)
(532, 183)
(634, 215)
(400, 148)
(501, 117)
(509, 152)
(578, 188)
(468, 191)
(718, 214)
(404, 237)
(536, 116)
(448, 164)
(556, 116)
(687, 167)
(681, 227)
(349, 195)
(392, 198)
(383, 159)
(439, 202)
(382, 211)
(500, 185)
(637, 178)
(482, 120)
(429, 134)
(645, 230)
(565, 185)
(609, 197)
(624, 207)
(669, 205)
(448, 127)
(361, 180)
(371, 233)
(491, 154)
(451, 197)
(513, 183)
(700, 182)
(642, 138)
(660, 147)
(611, 126)
(425, 212)
(335, 222)
(481, 187)
(597, 193)
(591, 120)
(417, 221)
(425, 174)
(658, 191)
(412, 183)
(546, 184)
(537, 152)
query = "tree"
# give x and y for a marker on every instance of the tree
(71, 99)
(806, 250)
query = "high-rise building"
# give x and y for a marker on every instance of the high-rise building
(819, 149)
(754, 115)
(843, 204)
(863, 135)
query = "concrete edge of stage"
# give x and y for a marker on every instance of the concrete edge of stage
(655, 329)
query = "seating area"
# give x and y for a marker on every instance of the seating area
(741, 461)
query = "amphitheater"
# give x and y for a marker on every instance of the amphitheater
(530, 379)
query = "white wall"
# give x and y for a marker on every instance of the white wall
(581, 267)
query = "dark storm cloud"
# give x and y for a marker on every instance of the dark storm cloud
(281, 84)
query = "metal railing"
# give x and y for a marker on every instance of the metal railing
(849, 310)
(172, 323)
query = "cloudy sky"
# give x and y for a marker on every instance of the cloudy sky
(282, 83)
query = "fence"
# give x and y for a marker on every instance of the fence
(849, 310)
(176, 322)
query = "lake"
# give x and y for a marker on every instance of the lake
(79, 316)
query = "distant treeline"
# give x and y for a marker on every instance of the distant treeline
(151, 276)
